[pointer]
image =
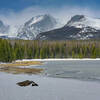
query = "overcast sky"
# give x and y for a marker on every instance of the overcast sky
(18, 11)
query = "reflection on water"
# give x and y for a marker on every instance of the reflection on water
(84, 70)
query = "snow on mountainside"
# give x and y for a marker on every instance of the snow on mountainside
(36, 25)
(79, 27)
(81, 21)
(13, 30)
(89, 26)
(45, 27)
(3, 28)
(8, 31)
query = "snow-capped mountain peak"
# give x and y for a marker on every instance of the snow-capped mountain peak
(79, 27)
(34, 20)
(77, 18)
(46, 27)
(36, 25)
(39, 18)
(81, 21)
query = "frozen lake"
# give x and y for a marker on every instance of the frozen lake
(62, 80)
(76, 69)
(49, 88)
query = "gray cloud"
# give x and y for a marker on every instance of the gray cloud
(64, 14)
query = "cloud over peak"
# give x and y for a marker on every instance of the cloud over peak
(63, 14)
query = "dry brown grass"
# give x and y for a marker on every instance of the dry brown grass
(15, 67)
(16, 70)
(23, 63)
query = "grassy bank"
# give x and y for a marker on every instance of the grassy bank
(21, 63)
(15, 67)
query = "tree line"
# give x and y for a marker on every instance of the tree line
(11, 50)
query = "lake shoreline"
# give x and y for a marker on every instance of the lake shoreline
(16, 67)
(69, 59)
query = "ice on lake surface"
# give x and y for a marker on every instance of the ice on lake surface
(48, 89)
(54, 87)
(83, 70)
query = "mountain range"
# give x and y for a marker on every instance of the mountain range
(46, 27)
(36, 25)
(79, 27)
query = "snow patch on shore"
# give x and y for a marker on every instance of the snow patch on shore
(70, 59)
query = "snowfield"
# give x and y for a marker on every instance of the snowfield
(49, 88)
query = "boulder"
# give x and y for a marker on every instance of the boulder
(27, 83)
